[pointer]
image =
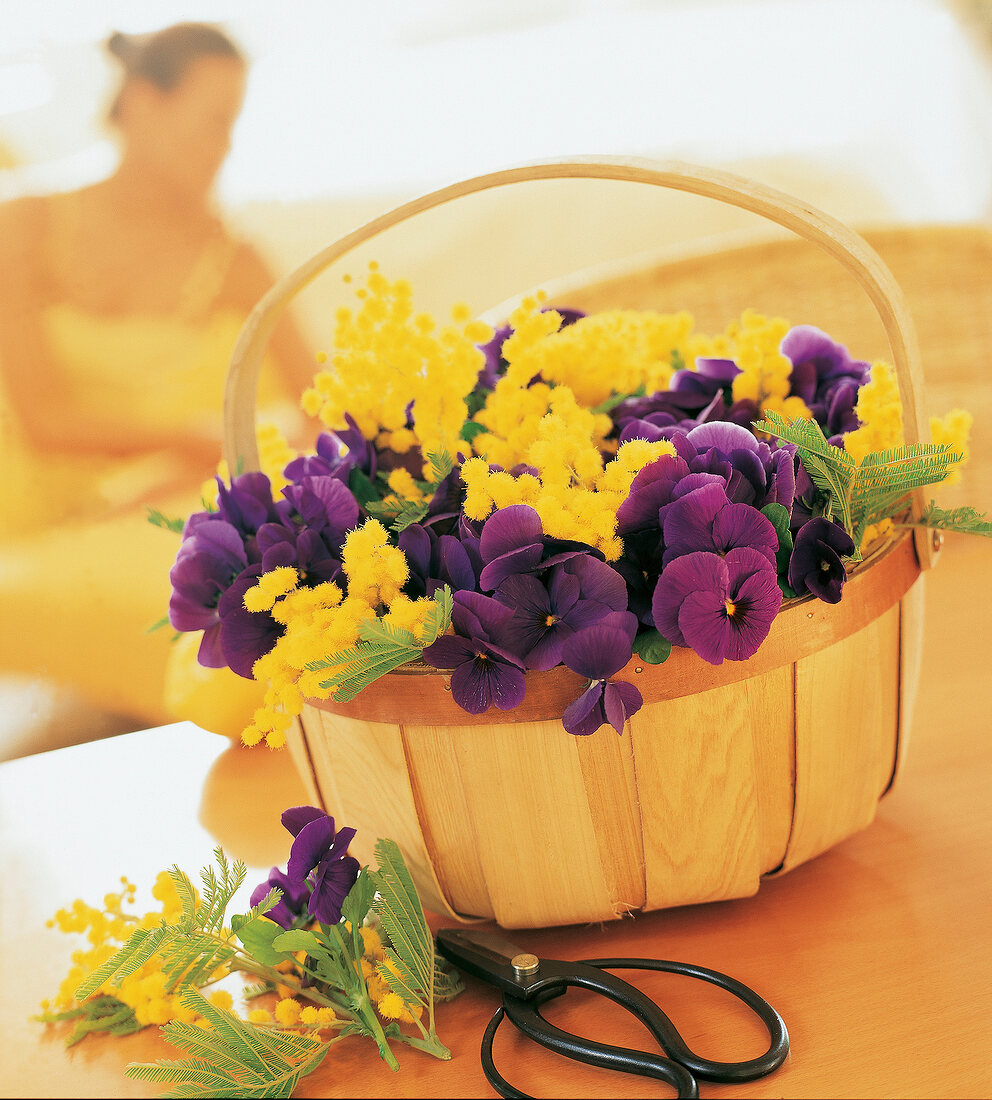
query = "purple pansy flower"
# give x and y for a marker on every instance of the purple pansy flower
(816, 566)
(513, 541)
(244, 635)
(485, 673)
(722, 607)
(578, 593)
(434, 561)
(319, 860)
(338, 453)
(599, 652)
(293, 903)
(211, 556)
(826, 377)
(704, 519)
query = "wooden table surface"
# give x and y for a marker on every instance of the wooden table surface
(876, 953)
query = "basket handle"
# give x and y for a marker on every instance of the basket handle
(835, 238)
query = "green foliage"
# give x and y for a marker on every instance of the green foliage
(102, 1014)
(830, 468)
(380, 649)
(860, 495)
(230, 1057)
(652, 648)
(411, 940)
(175, 524)
(966, 521)
(778, 516)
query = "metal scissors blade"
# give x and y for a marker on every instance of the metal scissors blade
(527, 981)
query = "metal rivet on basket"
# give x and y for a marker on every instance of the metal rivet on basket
(638, 670)
(937, 539)
(447, 687)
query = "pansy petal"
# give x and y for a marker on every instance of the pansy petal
(597, 651)
(703, 622)
(470, 687)
(756, 601)
(585, 715)
(509, 529)
(309, 848)
(297, 816)
(620, 701)
(741, 525)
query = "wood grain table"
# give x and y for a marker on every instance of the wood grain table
(877, 953)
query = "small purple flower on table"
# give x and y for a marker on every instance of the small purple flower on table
(319, 861)
(599, 652)
(293, 903)
(720, 606)
(816, 565)
(485, 672)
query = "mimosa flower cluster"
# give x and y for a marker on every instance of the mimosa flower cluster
(584, 487)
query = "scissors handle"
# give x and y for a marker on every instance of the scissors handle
(525, 1016)
(680, 1068)
(674, 1045)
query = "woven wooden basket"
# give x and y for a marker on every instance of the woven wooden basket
(728, 773)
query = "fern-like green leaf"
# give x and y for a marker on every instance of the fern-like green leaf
(438, 619)
(402, 916)
(187, 896)
(230, 1057)
(141, 945)
(830, 468)
(373, 662)
(441, 465)
(965, 520)
(378, 632)
(176, 524)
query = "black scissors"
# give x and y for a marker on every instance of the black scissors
(527, 982)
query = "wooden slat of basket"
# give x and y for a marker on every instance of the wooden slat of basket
(845, 740)
(698, 797)
(448, 829)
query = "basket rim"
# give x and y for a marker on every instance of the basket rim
(420, 695)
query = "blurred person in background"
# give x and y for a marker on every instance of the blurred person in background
(120, 304)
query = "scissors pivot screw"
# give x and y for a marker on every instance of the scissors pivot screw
(525, 965)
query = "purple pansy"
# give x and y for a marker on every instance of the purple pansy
(704, 519)
(244, 635)
(434, 561)
(816, 566)
(319, 859)
(293, 903)
(513, 541)
(576, 594)
(826, 377)
(485, 672)
(338, 453)
(720, 606)
(599, 652)
(211, 556)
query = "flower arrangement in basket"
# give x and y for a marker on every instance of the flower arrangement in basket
(567, 490)
(595, 520)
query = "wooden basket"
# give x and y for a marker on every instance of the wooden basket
(728, 773)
